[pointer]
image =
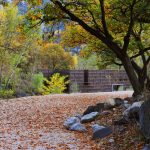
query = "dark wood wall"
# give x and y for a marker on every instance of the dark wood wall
(94, 80)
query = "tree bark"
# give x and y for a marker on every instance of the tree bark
(132, 75)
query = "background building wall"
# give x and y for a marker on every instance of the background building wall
(94, 80)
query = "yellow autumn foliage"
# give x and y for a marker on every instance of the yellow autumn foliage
(53, 56)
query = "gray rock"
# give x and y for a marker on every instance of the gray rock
(78, 127)
(98, 108)
(89, 117)
(97, 127)
(133, 111)
(102, 133)
(70, 121)
(78, 116)
(126, 106)
(146, 147)
(145, 119)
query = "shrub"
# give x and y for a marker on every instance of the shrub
(6, 93)
(37, 82)
(56, 85)
(25, 84)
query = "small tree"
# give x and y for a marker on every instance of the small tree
(18, 48)
(56, 85)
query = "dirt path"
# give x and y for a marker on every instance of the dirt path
(36, 123)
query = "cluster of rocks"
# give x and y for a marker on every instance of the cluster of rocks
(76, 123)
(132, 111)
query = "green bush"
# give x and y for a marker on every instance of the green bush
(37, 82)
(6, 93)
(56, 85)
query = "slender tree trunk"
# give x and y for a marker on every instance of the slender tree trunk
(132, 75)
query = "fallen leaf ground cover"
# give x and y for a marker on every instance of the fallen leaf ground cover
(36, 123)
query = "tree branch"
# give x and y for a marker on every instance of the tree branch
(115, 48)
(137, 37)
(141, 52)
(116, 63)
(131, 24)
(103, 20)
(96, 24)
(137, 68)
(147, 61)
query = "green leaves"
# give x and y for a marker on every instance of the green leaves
(38, 82)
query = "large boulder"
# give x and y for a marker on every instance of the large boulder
(133, 111)
(89, 117)
(78, 127)
(98, 108)
(145, 119)
(70, 121)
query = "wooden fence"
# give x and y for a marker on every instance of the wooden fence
(93, 80)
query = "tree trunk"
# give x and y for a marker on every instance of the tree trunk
(146, 89)
(132, 75)
(144, 113)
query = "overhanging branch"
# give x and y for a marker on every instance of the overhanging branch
(108, 41)
(141, 53)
